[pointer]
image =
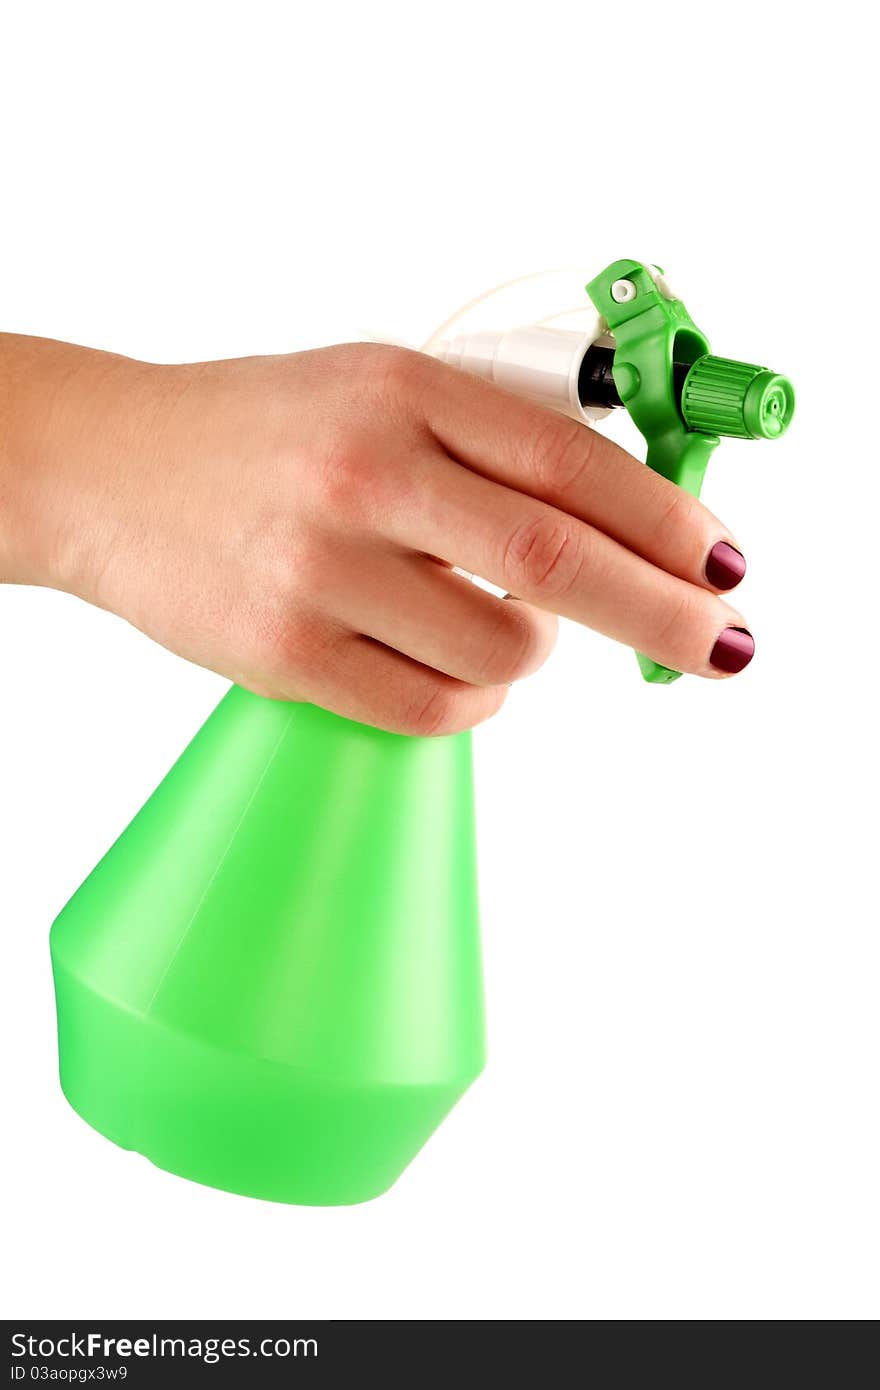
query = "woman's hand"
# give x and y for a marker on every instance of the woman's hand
(291, 522)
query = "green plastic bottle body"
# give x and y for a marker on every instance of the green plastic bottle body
(272, 982)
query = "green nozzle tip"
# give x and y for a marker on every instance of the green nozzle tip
(736, 399)
(768, 406)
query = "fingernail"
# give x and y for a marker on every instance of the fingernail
(733, 651)
(725, 566)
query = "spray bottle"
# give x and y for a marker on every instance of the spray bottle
(271, 983)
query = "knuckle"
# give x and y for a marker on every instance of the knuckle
(679, 628)
(544, 558)
(514, 649)
(369, 467)
(560, 454)
(304, 568)
(678, 518)
(286, 643)
(398, 375)
(350, 483)
(431, 711)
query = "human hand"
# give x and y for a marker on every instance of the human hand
(292, 522)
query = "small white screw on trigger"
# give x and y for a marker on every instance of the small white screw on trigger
(623, 291)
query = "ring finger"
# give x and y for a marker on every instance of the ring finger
(442, 620)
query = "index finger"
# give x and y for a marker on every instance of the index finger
(577, 470)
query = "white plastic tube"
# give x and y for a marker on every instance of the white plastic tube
(541, 363)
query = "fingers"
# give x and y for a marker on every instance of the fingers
(441, 619)
(360, 679)
(556, 562)
(580, 472)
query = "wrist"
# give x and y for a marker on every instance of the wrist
(67, 417)
(18, 357)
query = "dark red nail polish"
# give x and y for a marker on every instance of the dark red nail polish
(725, 566)
(733, 650)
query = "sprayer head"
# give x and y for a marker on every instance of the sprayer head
(678, 395)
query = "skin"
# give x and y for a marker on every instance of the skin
(292, 522)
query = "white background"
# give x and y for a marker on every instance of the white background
(679, 1118)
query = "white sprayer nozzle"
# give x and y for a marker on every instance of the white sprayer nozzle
(543, 364)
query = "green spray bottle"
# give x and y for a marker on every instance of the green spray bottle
(271, 982)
